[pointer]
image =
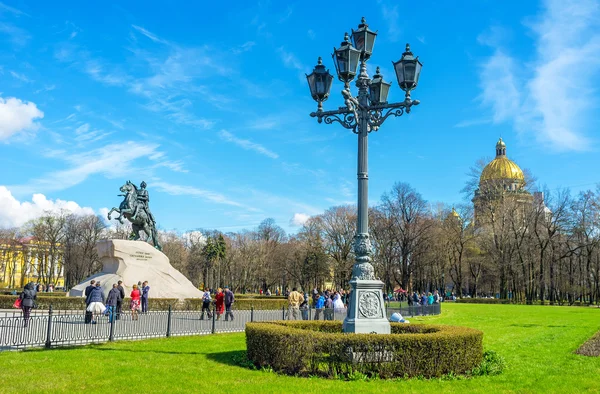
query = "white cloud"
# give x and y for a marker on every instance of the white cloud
(245, 47)
(499, 86)
(112, 161)
(247, 144)
(17, 36)
(20, 77)
(553, 95)
(14, 213)
(392, 18)
(150, 35)
(4, 7)
(16, 116)
(299, 219)
(178, 190)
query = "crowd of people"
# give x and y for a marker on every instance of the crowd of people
(325, 303)
(112, 306)
(223, 302)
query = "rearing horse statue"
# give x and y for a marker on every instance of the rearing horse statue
(141, 220)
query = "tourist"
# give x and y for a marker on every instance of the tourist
(423, 299)
(304, 307)
(145, 291)
(135, 304)
(206, 300)
(294, 301)
(120, 301)
(27, 297)
(429, 298)
(415, 298)
(50, 288)
(338, 305)
(88, 315)
(319, 305)
(328, 313)
(114, 296)
(436, 297)
(229, 300)
(268, 294)
(219, 303)
(95, 301)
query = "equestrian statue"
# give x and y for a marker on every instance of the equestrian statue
(134, 208)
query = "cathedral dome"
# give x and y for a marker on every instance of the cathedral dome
(501, 168)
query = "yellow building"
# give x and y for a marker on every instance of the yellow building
(500, 180)
(29, 260)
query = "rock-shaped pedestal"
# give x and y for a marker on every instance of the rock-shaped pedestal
(135, 261)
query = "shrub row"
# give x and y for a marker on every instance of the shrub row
(47, 294)
(241, 303)
(320, 348)
(259, 297)
(74, 303)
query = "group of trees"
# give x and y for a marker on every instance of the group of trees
(541, 250)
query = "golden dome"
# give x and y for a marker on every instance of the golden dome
(454, 213)
(501, 167)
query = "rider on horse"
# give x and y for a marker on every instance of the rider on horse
(142, 202)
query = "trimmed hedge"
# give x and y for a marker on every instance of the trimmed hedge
(46, 294)
(259, 297)
(320, 348)
(74, 303)
(78, 303)
(241, 304)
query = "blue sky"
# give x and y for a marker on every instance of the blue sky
(209, 105)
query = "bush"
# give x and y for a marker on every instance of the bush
(320, 348)
(157, 304)
(492, 364)
(78, 303)
(191, 304)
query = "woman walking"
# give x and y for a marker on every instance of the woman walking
(28, 296)
(219, 303)
(95, 302)
(135, 302)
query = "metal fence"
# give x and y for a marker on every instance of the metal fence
(67, 328)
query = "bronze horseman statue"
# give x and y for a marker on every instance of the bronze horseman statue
(134, 207)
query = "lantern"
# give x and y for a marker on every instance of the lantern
(319, 82)
(408, 69)
(346, 59)
(378, 89)
(364, 39)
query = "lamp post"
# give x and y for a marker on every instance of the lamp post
(363, 114)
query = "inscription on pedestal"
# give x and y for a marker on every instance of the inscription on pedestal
(141, 256)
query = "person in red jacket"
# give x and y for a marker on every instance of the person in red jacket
(219, 303)
(135, 302)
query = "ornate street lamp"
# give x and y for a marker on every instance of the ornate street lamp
(378, 89)
(408, 69)
(319, 82)
(346, 59)
(362, 114)
(364, 39)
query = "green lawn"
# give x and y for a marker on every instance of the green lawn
(537, 343)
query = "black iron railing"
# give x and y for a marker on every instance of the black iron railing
(67, 328)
